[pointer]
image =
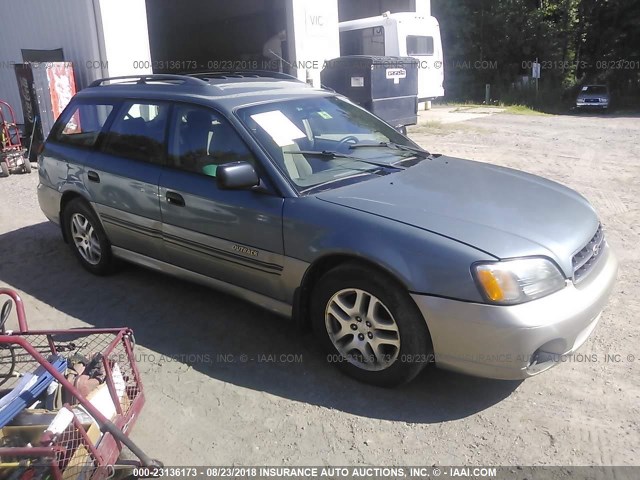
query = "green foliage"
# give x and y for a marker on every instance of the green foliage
(522, 110)
(576, 41)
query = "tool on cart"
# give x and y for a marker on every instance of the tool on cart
(69, 400)
(12, 154)
(26, 392)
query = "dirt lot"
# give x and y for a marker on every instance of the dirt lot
(296, 410)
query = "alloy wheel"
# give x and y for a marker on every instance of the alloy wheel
(362, 329)
(85, 239)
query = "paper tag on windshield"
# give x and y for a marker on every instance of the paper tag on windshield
(279, 127)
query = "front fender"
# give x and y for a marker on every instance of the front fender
(423, 262)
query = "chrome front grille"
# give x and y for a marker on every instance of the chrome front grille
(585, 259)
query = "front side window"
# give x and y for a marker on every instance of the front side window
(322, 140)
(419, 45)
(82, 124)
(365, 41)
(138, 132)
(202, 140)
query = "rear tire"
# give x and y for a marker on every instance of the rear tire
(87, 239)
(370, 326)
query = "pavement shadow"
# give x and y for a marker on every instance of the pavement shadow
(225, 338)
(612, 113)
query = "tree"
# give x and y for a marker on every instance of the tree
(575, 40)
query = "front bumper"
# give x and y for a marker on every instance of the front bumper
(519, 341)
(582, 104)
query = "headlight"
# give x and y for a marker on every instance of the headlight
(517, 281)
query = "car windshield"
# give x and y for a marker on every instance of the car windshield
(595, 89)
(313, 140)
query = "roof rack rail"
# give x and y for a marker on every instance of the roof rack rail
(245, 74)
(144, 79)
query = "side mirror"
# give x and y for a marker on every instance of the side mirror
(237, 176)
(402, 129)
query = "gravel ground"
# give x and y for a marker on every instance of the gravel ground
(209, 404)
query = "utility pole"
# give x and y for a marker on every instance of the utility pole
(536, 70)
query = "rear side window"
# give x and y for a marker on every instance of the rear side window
(419, 45)
(82, 124)
(138, 132)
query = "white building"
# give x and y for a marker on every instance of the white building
(129, 37)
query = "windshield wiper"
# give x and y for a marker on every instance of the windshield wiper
(395, 146)
(330, 155)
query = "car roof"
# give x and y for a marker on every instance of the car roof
(227, 91)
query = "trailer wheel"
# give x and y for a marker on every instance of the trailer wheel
(27, 165)
(5, 168)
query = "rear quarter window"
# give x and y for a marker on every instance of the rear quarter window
(82, 123)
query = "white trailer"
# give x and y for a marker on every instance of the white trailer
(407, 34)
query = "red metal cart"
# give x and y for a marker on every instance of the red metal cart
(12, 153)
(92, 442)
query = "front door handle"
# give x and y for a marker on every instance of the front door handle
(93, 176)
(175, 199)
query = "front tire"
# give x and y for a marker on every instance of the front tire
(370, 326)
(87, 239)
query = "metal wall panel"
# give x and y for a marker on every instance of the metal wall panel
(47, 25)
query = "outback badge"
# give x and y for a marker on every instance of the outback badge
(245, 250)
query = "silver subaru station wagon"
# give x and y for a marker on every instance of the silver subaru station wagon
(299, 201)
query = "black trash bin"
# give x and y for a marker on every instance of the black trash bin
(386, 86)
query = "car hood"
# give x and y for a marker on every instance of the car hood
(503, 212)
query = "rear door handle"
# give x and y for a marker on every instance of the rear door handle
(175, 199)
(93, 176)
